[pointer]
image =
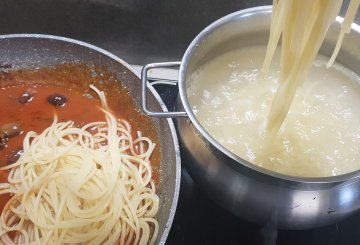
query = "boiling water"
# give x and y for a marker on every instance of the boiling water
(321, 133)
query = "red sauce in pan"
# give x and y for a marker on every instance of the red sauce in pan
(73, 82)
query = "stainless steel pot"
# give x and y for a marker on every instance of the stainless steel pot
(241, 187)
(31, 51)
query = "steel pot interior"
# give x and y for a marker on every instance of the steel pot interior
(250, 27)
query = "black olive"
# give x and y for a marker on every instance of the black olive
(15, 155)
(10, 129)
(57, 100)
(25, 97)
(3, 140)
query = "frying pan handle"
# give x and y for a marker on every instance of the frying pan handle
(144, 83)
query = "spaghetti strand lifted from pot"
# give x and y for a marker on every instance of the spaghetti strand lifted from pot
(76, 186)
(302, 26)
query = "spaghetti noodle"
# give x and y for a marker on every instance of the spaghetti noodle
(303, 26)
(76, 186)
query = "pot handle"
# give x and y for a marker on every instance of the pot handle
(144, 83)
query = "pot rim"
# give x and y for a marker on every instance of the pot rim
(265, 10)
(168, 224)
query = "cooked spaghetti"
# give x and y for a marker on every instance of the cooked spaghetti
(302, 26)
(88, 185)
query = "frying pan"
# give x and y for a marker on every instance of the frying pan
(33, 51)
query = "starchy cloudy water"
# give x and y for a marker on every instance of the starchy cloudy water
(319, 137)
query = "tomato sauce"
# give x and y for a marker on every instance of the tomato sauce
(82, 106)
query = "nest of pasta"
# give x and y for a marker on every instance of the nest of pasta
(81, 185)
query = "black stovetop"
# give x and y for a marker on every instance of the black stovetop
(198, 220)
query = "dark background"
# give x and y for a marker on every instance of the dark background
(138, 31)
(144, 31)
